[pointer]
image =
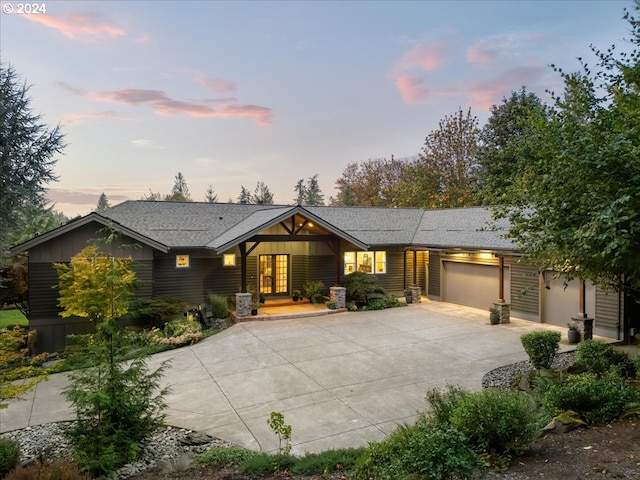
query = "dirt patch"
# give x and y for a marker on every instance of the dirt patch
(610, 451)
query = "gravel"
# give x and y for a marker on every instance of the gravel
(165, 447)
(508, 376)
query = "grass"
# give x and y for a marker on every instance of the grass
(12, 317)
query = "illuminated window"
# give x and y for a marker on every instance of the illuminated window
(367, 262)
(229, 260)
(182, 261)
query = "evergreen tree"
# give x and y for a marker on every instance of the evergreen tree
(245, 195)
(27, 151)
(309, 193)
(262, 194)
(103, 203)
(180, 191)
(301, 192)
(210, 195)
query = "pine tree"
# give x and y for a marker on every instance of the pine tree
(210, 195)
(103, 203)
(180, 191)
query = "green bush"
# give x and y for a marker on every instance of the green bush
(225, 457)
(359, 284)
(9, 455)
(496, 421)
(376, 304)
(313, 290)
(155, 311)
(423, 450)
(328, 461)
(599, 358)
(265, 464)
(180, 326)
(595, 399)
(541, 346)
(443, 402)
(219, 306)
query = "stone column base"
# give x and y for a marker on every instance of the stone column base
(243, 304)
(338, 295)
(585, 325)
(416, 293)
(504, 310)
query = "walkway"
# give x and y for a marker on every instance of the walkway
(340, 380)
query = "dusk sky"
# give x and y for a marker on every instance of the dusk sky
(232, 93)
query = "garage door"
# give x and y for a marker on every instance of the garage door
(472, 285)
(561, 300)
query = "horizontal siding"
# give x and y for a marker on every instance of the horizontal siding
(394, 280)
(43, 296)
(299, 271)
(187, 284)
(323, 268)
(525, 289)
(607, 309)
(434, 274)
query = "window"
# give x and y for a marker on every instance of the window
(182, 261)
(368, 262)
(229, 260)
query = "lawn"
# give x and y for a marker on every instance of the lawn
(12, 317)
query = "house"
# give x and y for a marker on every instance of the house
(189, 249)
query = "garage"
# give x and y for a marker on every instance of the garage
(561, 300)
(471, 284)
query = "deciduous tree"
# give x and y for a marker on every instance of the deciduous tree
(575, 208)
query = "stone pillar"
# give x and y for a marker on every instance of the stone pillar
(504, 310)
(338, 295)
(243, 304)
(585, 325)
(416, 293)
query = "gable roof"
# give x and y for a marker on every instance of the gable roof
(220, 226)
(91, 217)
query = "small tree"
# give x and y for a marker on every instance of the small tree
(210, 196)
(118, 406)
(180, 191)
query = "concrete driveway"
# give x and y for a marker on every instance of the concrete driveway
(340, 380)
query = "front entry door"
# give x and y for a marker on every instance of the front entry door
(274, 274)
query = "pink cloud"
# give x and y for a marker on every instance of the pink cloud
(486, 93)
(218, 85)
(425, 56)
(84, 26)
(75, 118)
(166, 106)
(411, 88)
(482, 52)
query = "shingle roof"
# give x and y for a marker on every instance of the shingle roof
(222, 225)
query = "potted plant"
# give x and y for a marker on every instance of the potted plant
(254, 309)
(296, 295)
(261, 297)
(574, 333)
(331, 305)
(408, 295)
(494, 315)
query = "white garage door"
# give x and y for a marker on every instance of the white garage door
(472, 285)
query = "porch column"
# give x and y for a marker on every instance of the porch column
(501, 280)
(243, 266)
(415, 267)
(504, 309)
(582, 319)
(338, 251)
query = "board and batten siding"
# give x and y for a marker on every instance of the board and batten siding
(525, 292)
(186, 283)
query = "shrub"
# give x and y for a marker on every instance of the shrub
(600, 358)
(376, 304)
(423, 450)
(313, 290)
(178, 332)
(60, 470)
(219, 306)
(225, 456)
(328, 461)
(443, 402)
(9, 455)
(596, 400)
(541, 346)
(155, 311)
(359, 284)
(265, 464)
(496, 421)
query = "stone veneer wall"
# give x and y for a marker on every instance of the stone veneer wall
(416, 294)
(338, 295)
(243, 304)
